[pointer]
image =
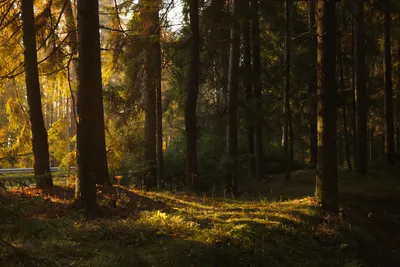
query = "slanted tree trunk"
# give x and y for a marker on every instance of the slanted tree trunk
(312, 84)
(191, 101)
(259, 119)
(40, 144)
(233, 88)
(326, 190)
(248, 84)
(92, 158)
(288, 132)
(361, 91)
(389, 126)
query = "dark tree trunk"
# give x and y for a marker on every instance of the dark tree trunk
(259, 119)
(288, 132)
(389, 127)
(152, 68)
(361, 91)
(233, 88)
(326, 189)
(353, 90)
(312, 85)
(248, 85)
(344, 105)
(40, 144)
(160, 156)
(397, 107)
(92, 158)
(191, 101)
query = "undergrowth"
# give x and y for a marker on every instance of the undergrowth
(271, 229)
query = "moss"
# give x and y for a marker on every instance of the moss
(202, 231)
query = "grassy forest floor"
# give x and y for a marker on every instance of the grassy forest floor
(273, 223)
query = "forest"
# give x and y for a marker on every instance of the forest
(200, 133)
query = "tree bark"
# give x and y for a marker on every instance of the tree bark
(92, 157)
(389, 127)
(160, 154)
(152, 68)
(256, 60)
(353, 95)
(233, 88)
(288, 132)
(326, 190)
(70, 24)
(312, 85)
(248, 84)
(40, 144)
(344, 105)
(191, 101)
(361, 91)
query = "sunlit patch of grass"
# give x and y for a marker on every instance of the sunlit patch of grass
(196, 231)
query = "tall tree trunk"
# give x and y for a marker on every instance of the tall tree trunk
(152, 68)
(288, 138)
(389, 127)
(233, 88)
(191, 102)
(160, 156)
(92, 157)
(344, 105)
(353, 95)
(259, 120)
(73, 67)
(312, 84)
(397, 107)
(326, 189)
(248, 84)
(40, 144)
(361, 91)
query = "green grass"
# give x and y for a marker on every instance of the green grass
(280, 225)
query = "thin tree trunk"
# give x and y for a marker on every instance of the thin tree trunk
(288, 139)
(312, 85)
(233, 88)
(92, 157)
(344, 106)
(389, 127)
(372, 145)
(160, 156)
(361, 91)
(40, 144)
(397, 107)
(259, 119)
(191, 102)
(73, 67)
(248, 85)
(326, 190)
(159, 112)
(353, 85)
